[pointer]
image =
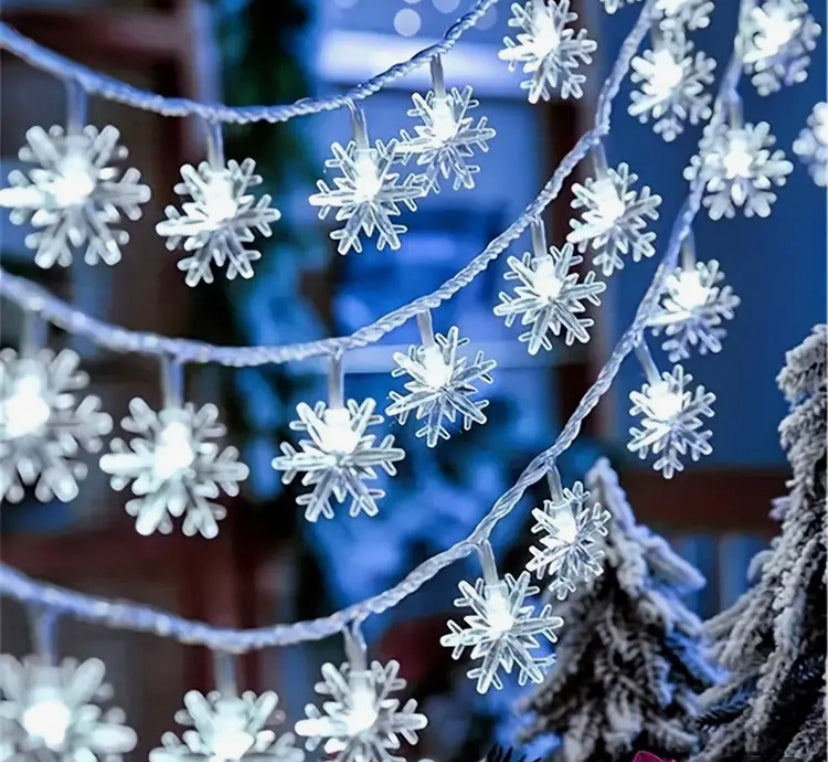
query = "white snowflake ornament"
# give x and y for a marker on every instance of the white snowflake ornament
(338, 458)
(672, 424)
(611, 6)
(614, 218)
(738, 168)
(548, 48)
(74, 197)
(681, 15)
(175, 466)
(218, 220)
(43, 426)
(52, 713)
(812, 144)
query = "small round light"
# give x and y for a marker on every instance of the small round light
(367, 183)
(498, 616)
(24, 411)
(437, 371)
(738, 160)
(667, 73)
(444, 124)
(74, 182)
(665, 404)
(546, 282)
(338, 436)
(407, 22)
(547, 38)
(610, 206)
(363, 711)
(690, 294)
(47, 720)
(219, 201)
(174, 452)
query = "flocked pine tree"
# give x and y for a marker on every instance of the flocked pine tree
(772, 640)
(629, 663)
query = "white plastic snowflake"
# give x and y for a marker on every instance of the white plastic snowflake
(673, 83)
(614, 218)
(446, 139)
(549, 297)
(441, 386)
(738, 169)
(502, 631)
(570, 549)
(228, 729)
(359, 721)
(671, 421)
(74, 197)
(611, 6)
(367, 196)
(42, 425)
(678, 15)
(175, 466)
(548, 49)
(338, 458)
(52, 713)
(692, 310)
(812, 144)
(778, 35)
(218, 221)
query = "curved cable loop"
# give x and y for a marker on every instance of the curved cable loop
(113, 89)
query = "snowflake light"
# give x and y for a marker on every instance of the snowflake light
(441, 386)
(502, 630)
(611, 6)
(338, 458)
(614, 218)
(228, 728)
(359, 720)
(218, 220)
(739, 169)
(812, 144)
(52, 712)
(548, 48)
(671, 421)
(570, 549)
(778, 36)
(673, 83)
(692, 310)
(74, 197)
(549, 298)
(175, 467)
(42, 426)
(678, 15)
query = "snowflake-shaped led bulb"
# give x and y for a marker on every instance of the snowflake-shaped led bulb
(338, 458)
(218, 220)
(228, 729)
(739, 169)
(778, 36)
(671, 421)
(175, 467)
(549, 298)
(52, 712)
(502, 631)
(359, 721)
(441, 386)
(42, 426)
(614, 218)
(812, 144)
(678, 15)
(548, 48)
(570, 549)
(692, 310)
(673, 83)
(74, 197)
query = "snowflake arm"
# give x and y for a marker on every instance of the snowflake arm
(678, 15)
(74, 197)
(548, 48)
(812, 144)
(218, 220)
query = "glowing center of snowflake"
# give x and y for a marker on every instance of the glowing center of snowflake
(25, 411)
(671, 7)
(609, 207)
(173, 450)
(337, 435)
(437, 372)
(219, 200)
(667, 74)
(547, 285)
(367, 182)
(230, 742)
(664, 403)
(564, 522)
(547, 38)
(738, 159)
(776, 32)
(47, 720)
(443, 122)
(74, 182)
(690, 293)
(498, 616)
(363, 711)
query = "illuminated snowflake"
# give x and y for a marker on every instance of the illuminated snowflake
(446, 139)
(52, 713)
(738, 169)
(778, 36)
(684, 14)
(671, 420)
(692, 310)
(175, 466)
(570, 548)
(228, 729)
(812, 144)
(218, 221)
(502, 631)
(367, 195)
(338, 458)
(611, 6)
(549, 297)
(548, 49)
(42, 426)
(74, 197)
(614, 218)
(673, 85)
(359, 721)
